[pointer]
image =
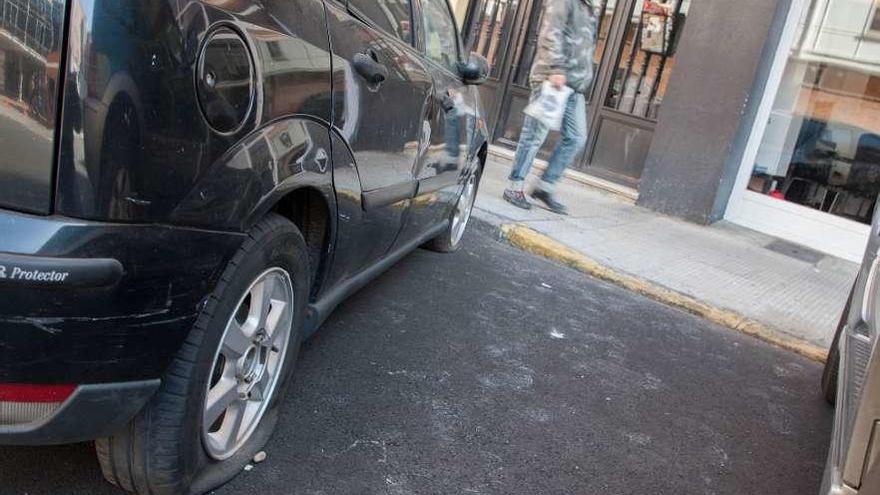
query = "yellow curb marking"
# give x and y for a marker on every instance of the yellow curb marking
(534, 242)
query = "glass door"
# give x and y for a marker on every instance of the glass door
(510, 119)
(490, 30)
(632, 89)
(646, 58)
(635, 54)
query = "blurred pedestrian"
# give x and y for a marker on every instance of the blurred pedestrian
(564, 57)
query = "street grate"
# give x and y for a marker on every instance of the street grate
(795, 251)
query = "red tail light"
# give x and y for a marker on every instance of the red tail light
(35, 393)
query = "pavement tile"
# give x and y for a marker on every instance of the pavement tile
(724, 265)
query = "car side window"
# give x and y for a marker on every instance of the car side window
(441, 37)
(393, 16)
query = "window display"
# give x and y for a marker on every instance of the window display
(821, 148)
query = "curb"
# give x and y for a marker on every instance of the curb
(622, 193)
(529, 240)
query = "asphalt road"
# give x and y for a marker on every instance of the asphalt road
(493, 371)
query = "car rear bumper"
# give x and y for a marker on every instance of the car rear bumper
(89, 303)
(92, 411)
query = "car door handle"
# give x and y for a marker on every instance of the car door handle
(369, 67)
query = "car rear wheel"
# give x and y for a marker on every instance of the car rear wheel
(832, 363)
(450, 240)
(218, 402)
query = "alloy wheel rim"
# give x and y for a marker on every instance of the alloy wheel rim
(248, 363)
(463, 209)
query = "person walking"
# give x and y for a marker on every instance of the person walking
(564, 57)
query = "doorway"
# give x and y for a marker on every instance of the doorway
(634, 56)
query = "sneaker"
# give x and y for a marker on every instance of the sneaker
(517, 198)
(548, 199)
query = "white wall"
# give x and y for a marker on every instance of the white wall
(837, 34)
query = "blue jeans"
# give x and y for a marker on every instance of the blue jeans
(534, 133)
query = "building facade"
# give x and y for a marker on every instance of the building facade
(767, 115)
(28, 55)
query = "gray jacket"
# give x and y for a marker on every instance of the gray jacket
(566, 43)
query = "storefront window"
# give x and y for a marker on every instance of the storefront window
(821, 148)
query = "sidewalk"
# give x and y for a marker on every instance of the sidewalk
(788, 289)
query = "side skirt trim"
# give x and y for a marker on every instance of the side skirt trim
(321, 309)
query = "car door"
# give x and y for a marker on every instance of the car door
(449, 123)
(381, 90)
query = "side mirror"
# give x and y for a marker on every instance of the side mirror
(475, 71)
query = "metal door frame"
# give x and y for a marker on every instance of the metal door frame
(514, 51)
(603, 79)
(600, 112)
(509, 50)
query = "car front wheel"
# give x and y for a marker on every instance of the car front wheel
(450, 239)
(832, 362)
(218, 402)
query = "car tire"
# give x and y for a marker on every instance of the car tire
(449, 240)
(165, 448)
(832, 362)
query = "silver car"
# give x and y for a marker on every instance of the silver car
(852, 380)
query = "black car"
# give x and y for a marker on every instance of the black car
(188, 189)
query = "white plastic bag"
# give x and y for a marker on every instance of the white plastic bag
(549, 106)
